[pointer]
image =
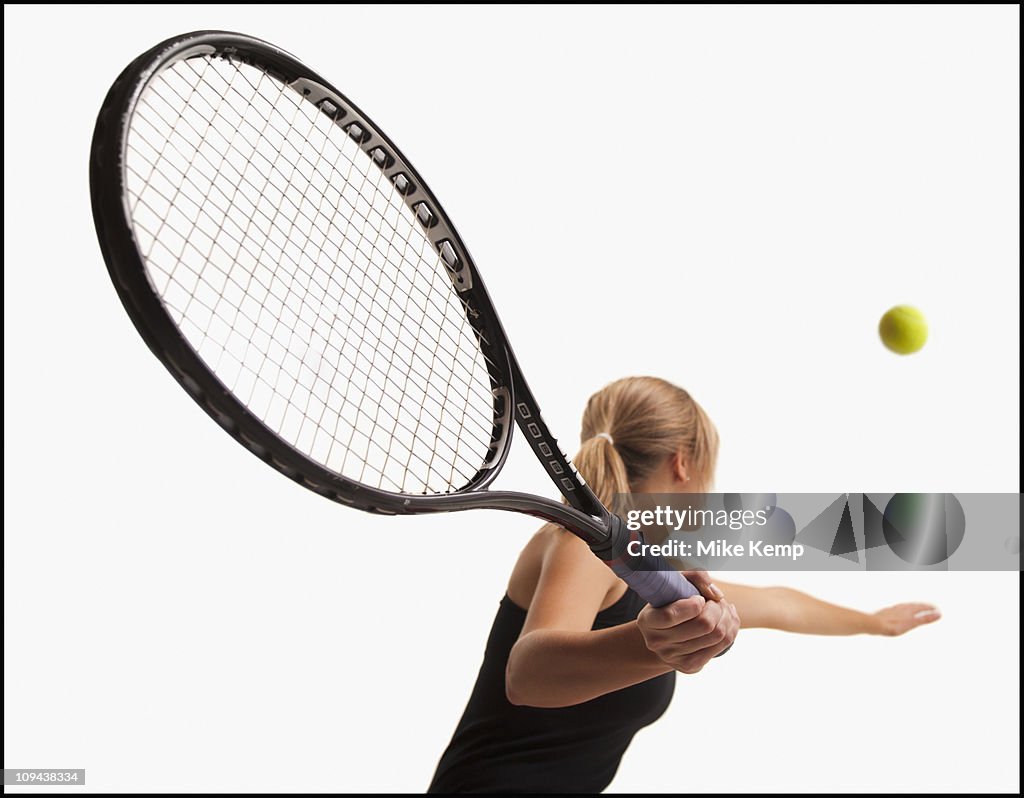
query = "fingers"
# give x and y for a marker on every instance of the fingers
(702, 581)
(692, 656)
(921, 610)
(717, 626)
(672, 614)
(901, 618)
(913, 608)
(927, 616)
(694, 663)
(704, 629)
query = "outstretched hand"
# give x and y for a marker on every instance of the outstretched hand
(901, 618)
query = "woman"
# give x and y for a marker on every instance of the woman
(575, 663)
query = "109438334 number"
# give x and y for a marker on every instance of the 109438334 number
(28, 776)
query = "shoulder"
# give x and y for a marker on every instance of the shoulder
(561, 563)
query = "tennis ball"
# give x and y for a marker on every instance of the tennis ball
(903, 329)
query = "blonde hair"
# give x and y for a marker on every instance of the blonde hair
(648, 420)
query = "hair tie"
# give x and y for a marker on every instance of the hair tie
(606, 436)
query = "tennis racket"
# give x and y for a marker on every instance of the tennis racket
(297, 277)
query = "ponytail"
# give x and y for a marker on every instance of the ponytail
(601, 466)
(705, 448)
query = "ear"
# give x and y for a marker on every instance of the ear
(680, 468)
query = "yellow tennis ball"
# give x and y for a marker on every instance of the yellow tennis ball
(903, 329)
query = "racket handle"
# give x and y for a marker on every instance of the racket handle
(650, 576)
(657, 588)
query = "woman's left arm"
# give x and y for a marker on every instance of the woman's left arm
(792, 611)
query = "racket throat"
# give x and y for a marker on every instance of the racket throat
(614, 545)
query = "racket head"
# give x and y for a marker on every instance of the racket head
(127, 139)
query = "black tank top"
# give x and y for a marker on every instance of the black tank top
(500, 747)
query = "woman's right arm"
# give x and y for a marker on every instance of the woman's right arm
(559, 661)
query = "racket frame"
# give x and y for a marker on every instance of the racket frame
(583, 514)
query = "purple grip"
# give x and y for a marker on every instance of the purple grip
(657, 588)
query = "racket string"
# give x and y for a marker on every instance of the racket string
(291, 124)
(381, 390)
(313, 165)
(426, 296)
(333, 319)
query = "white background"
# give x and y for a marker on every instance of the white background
(725, 197)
